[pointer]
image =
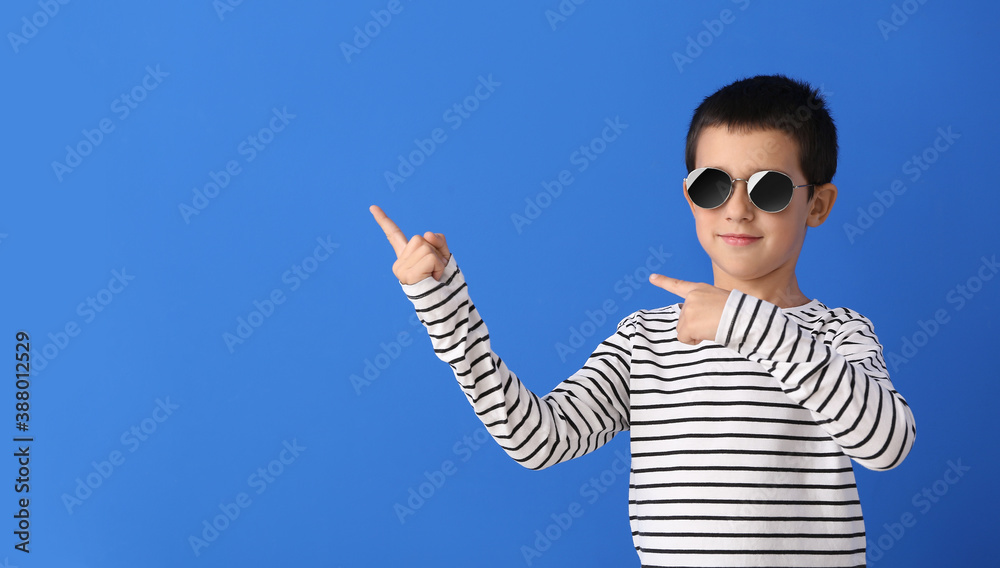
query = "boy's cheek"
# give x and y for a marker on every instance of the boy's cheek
(705, 239)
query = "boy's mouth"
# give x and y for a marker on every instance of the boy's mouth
(739, 239)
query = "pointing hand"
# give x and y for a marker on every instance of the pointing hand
(701, 310)
(418, 258)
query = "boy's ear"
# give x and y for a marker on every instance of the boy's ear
(823, 199)
(684, 188)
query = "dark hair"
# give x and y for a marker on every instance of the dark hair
(773, 102)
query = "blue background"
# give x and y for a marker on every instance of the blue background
(222, 77)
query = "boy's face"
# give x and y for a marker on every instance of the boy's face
(745, 243)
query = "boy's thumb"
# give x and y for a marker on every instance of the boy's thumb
(436, 239)
(432, 238)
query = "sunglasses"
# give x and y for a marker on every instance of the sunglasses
(769, 190)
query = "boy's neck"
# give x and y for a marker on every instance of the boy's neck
(776, 288)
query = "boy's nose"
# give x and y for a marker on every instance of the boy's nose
(739, 207)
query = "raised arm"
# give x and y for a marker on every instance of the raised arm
(581, 414)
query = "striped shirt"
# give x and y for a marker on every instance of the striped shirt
(741, 446)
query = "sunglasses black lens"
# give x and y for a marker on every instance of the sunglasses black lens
(710, 189)
(772, 193)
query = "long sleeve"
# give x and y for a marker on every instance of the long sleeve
(581, 414)
(832, 367)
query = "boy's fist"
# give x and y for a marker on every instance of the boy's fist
(418, 258)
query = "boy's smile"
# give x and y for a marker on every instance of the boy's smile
(753, 250)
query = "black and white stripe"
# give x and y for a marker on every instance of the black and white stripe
(741, 447)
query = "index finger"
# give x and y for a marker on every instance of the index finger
(396, 237)
(673, 285)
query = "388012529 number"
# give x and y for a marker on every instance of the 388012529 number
(22, 370)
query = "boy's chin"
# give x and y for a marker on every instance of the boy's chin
(738, 270)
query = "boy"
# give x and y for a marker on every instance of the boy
(747, 401)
